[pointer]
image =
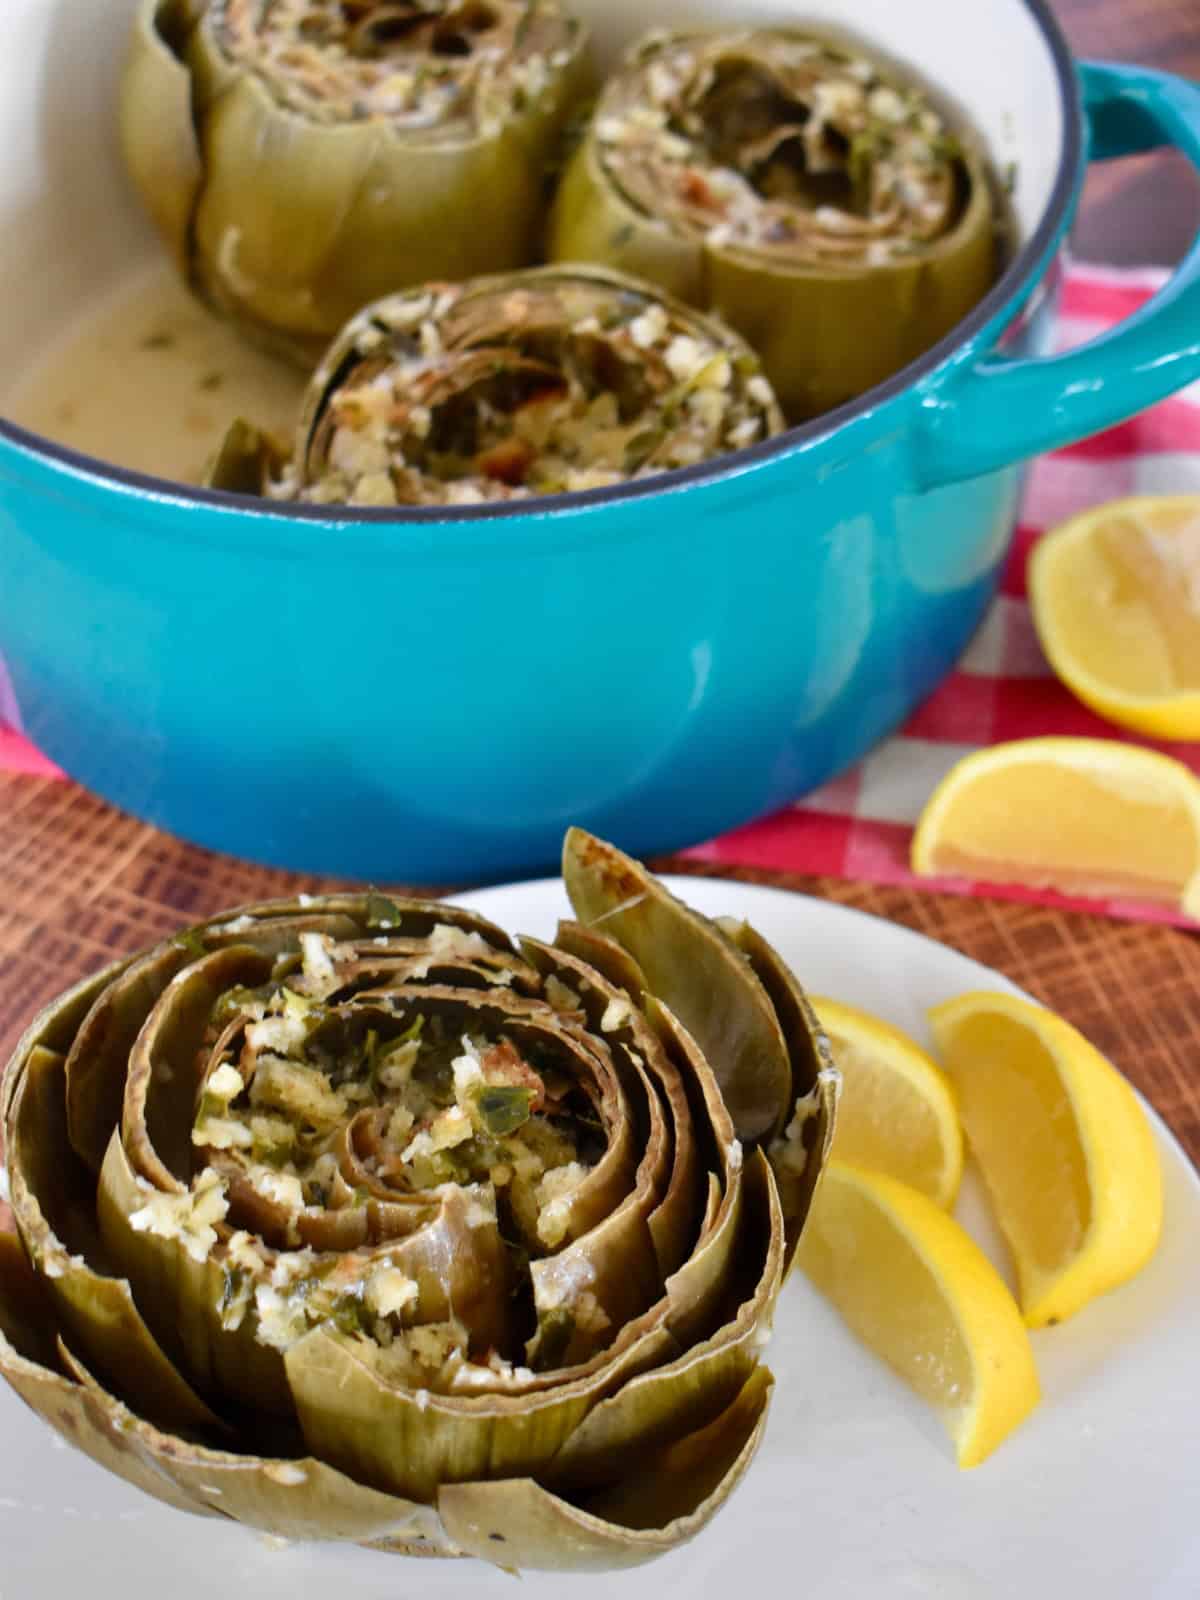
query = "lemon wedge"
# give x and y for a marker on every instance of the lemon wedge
(1066, 1151)
(1115, 594)
(1089, 816)
(917, 1289)
(897, 1113)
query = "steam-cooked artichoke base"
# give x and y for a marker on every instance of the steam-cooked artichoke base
(416, 66)
(543, 383)
(782, 145)
(300, 158)
(814, 198)
(378, 1225)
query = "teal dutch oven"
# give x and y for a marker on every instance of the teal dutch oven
(433, 696)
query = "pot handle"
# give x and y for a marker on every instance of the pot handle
(995, 410)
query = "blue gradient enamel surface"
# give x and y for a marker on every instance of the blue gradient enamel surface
(434, 701)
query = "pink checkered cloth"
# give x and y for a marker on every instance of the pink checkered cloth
(860, 826)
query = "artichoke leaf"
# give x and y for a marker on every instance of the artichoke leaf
(55, 1027)
(276, 195)
(716, 1135)
(669, 1145)
(99, 1054)
(475, 206)
(609, 1275)
(604, 1188)
(798, 1157)
(27, 1318)
(159, 1102)
(694, 970)
(397, 917)
(603, 955)
(180, 1298)
(673, 1225)
(467, 1005)
(704, 1465)
(275, 928)
(52, 1205)
(516, 1524)
(643, 1343)
(462, 209)
(347, 916)
(603, 1280)
(461, 1269)
(699, 1291)
(592, 221)
(661, 1406)
(406, 958)
(158, 136)
(713, 1202)
(808, 328)
(609, 1008)
(245, 461)
(294, 1498)
(31, 1363)
(275, 925)
(654, 1409)
(408, 1442)
(388, 1213)
(344, 1228)
(698, 1288)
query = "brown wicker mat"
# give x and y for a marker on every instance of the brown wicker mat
(81, 884)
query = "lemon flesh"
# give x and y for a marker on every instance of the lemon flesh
(1065, 1149)
(1115, 594)
(897, 1113)
(919, 1292)
(1088, 816)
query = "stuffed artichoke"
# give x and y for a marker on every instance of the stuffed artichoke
(539, 382)
(351, 1218)
(302, 157)
(812, 197)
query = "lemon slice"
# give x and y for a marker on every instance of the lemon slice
(1116, 600)
(1089, 816)
(1066, 1151)
(917, 1289)
(897, 1113)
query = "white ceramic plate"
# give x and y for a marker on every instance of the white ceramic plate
(854, 1495)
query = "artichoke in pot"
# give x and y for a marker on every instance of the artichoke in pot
(303, 157)
(351, 1218)
(550, 380)
(806, 193)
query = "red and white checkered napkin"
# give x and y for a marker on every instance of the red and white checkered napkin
(860, 825)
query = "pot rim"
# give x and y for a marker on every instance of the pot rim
(1004, 294)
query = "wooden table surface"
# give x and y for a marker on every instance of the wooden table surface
(80, 883)
(1144, 210)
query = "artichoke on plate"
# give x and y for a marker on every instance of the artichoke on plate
(538, 382)
(807, 193)
(351, 1218)
(302, 157)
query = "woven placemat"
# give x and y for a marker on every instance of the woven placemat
(81, 884)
